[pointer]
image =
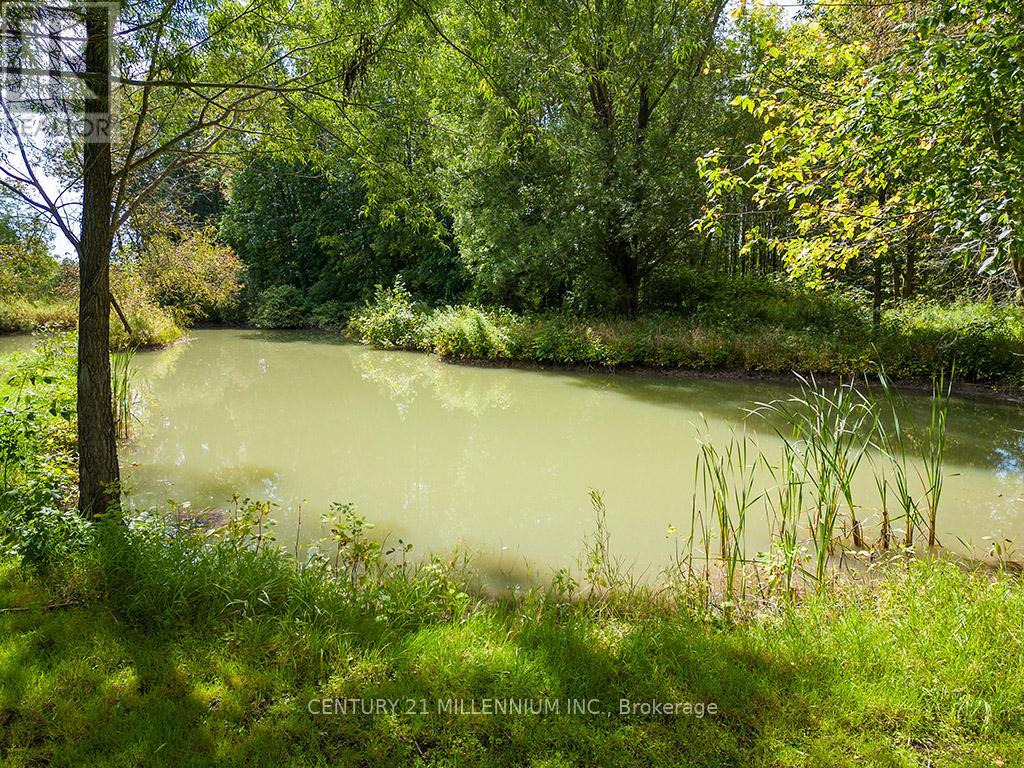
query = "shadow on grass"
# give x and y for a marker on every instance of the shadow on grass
(79, 688)
(76, 688)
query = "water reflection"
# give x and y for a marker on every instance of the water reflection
(402, 376)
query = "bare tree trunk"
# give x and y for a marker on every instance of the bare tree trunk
(99, 475)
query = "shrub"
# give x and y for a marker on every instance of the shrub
(281, 306)
(330, 314)
(390, 320)
(151, 324)
(37, 431)
(467, 332)
(26, 269)
(21, 314)
(194, 277)
(982, 340)
(554, 340)
(764, 327)
(49, 537)
(16, 314)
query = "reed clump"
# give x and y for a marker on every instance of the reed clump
(122, 390)
(807, 493)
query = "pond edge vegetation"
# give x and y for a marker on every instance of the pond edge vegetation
(784, 334)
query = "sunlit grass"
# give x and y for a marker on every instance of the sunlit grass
(922, 669)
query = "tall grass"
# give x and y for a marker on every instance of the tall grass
(830, 429)
(785, 510)
(727, 483)
(785, 332)
(897, 441)
(827, 436)
(933, 457)
(806, 493)
(122, 384)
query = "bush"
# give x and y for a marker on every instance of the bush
(50, 537)
(26, 269)
(787, 329)
(390, 320)
(21, 314)
(281, 306)
(551, 340)
(717, 299)
(982, 340)
(37, 434)
(330, 314)
(467, 332)
(151, 324)
(193, 277)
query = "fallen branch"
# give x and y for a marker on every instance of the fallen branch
(120, 314)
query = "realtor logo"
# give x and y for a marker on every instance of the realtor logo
(45, 81)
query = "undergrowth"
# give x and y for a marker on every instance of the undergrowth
(825, 335)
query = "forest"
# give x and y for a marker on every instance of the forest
(462, 382)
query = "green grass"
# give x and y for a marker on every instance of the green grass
(151, 325)
(759, 328)
(924, 669)
(163, 642)
(21, 314)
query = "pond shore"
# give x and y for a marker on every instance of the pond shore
(151, 645)
(982, 345)
(968, 390)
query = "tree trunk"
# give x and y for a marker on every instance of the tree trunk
(876, 303)
(99, 476)
(897, 277)
(623, 262)
(1017, 261)
(910, 275)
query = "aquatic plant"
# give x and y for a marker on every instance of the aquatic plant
(826, 434)
(603, 572)
(727, 486)
(933, 455)
(830, 430)
(122, 379)
(785, 509)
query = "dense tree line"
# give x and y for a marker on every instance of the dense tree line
(558, 156)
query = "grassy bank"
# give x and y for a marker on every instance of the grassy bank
(21, 314)
(921, 669)
(741, 327)
(151, 326)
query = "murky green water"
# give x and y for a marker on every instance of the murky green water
(497, 461)
(15, 342)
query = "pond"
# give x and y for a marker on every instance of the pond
(499, 462)
(15, 342)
